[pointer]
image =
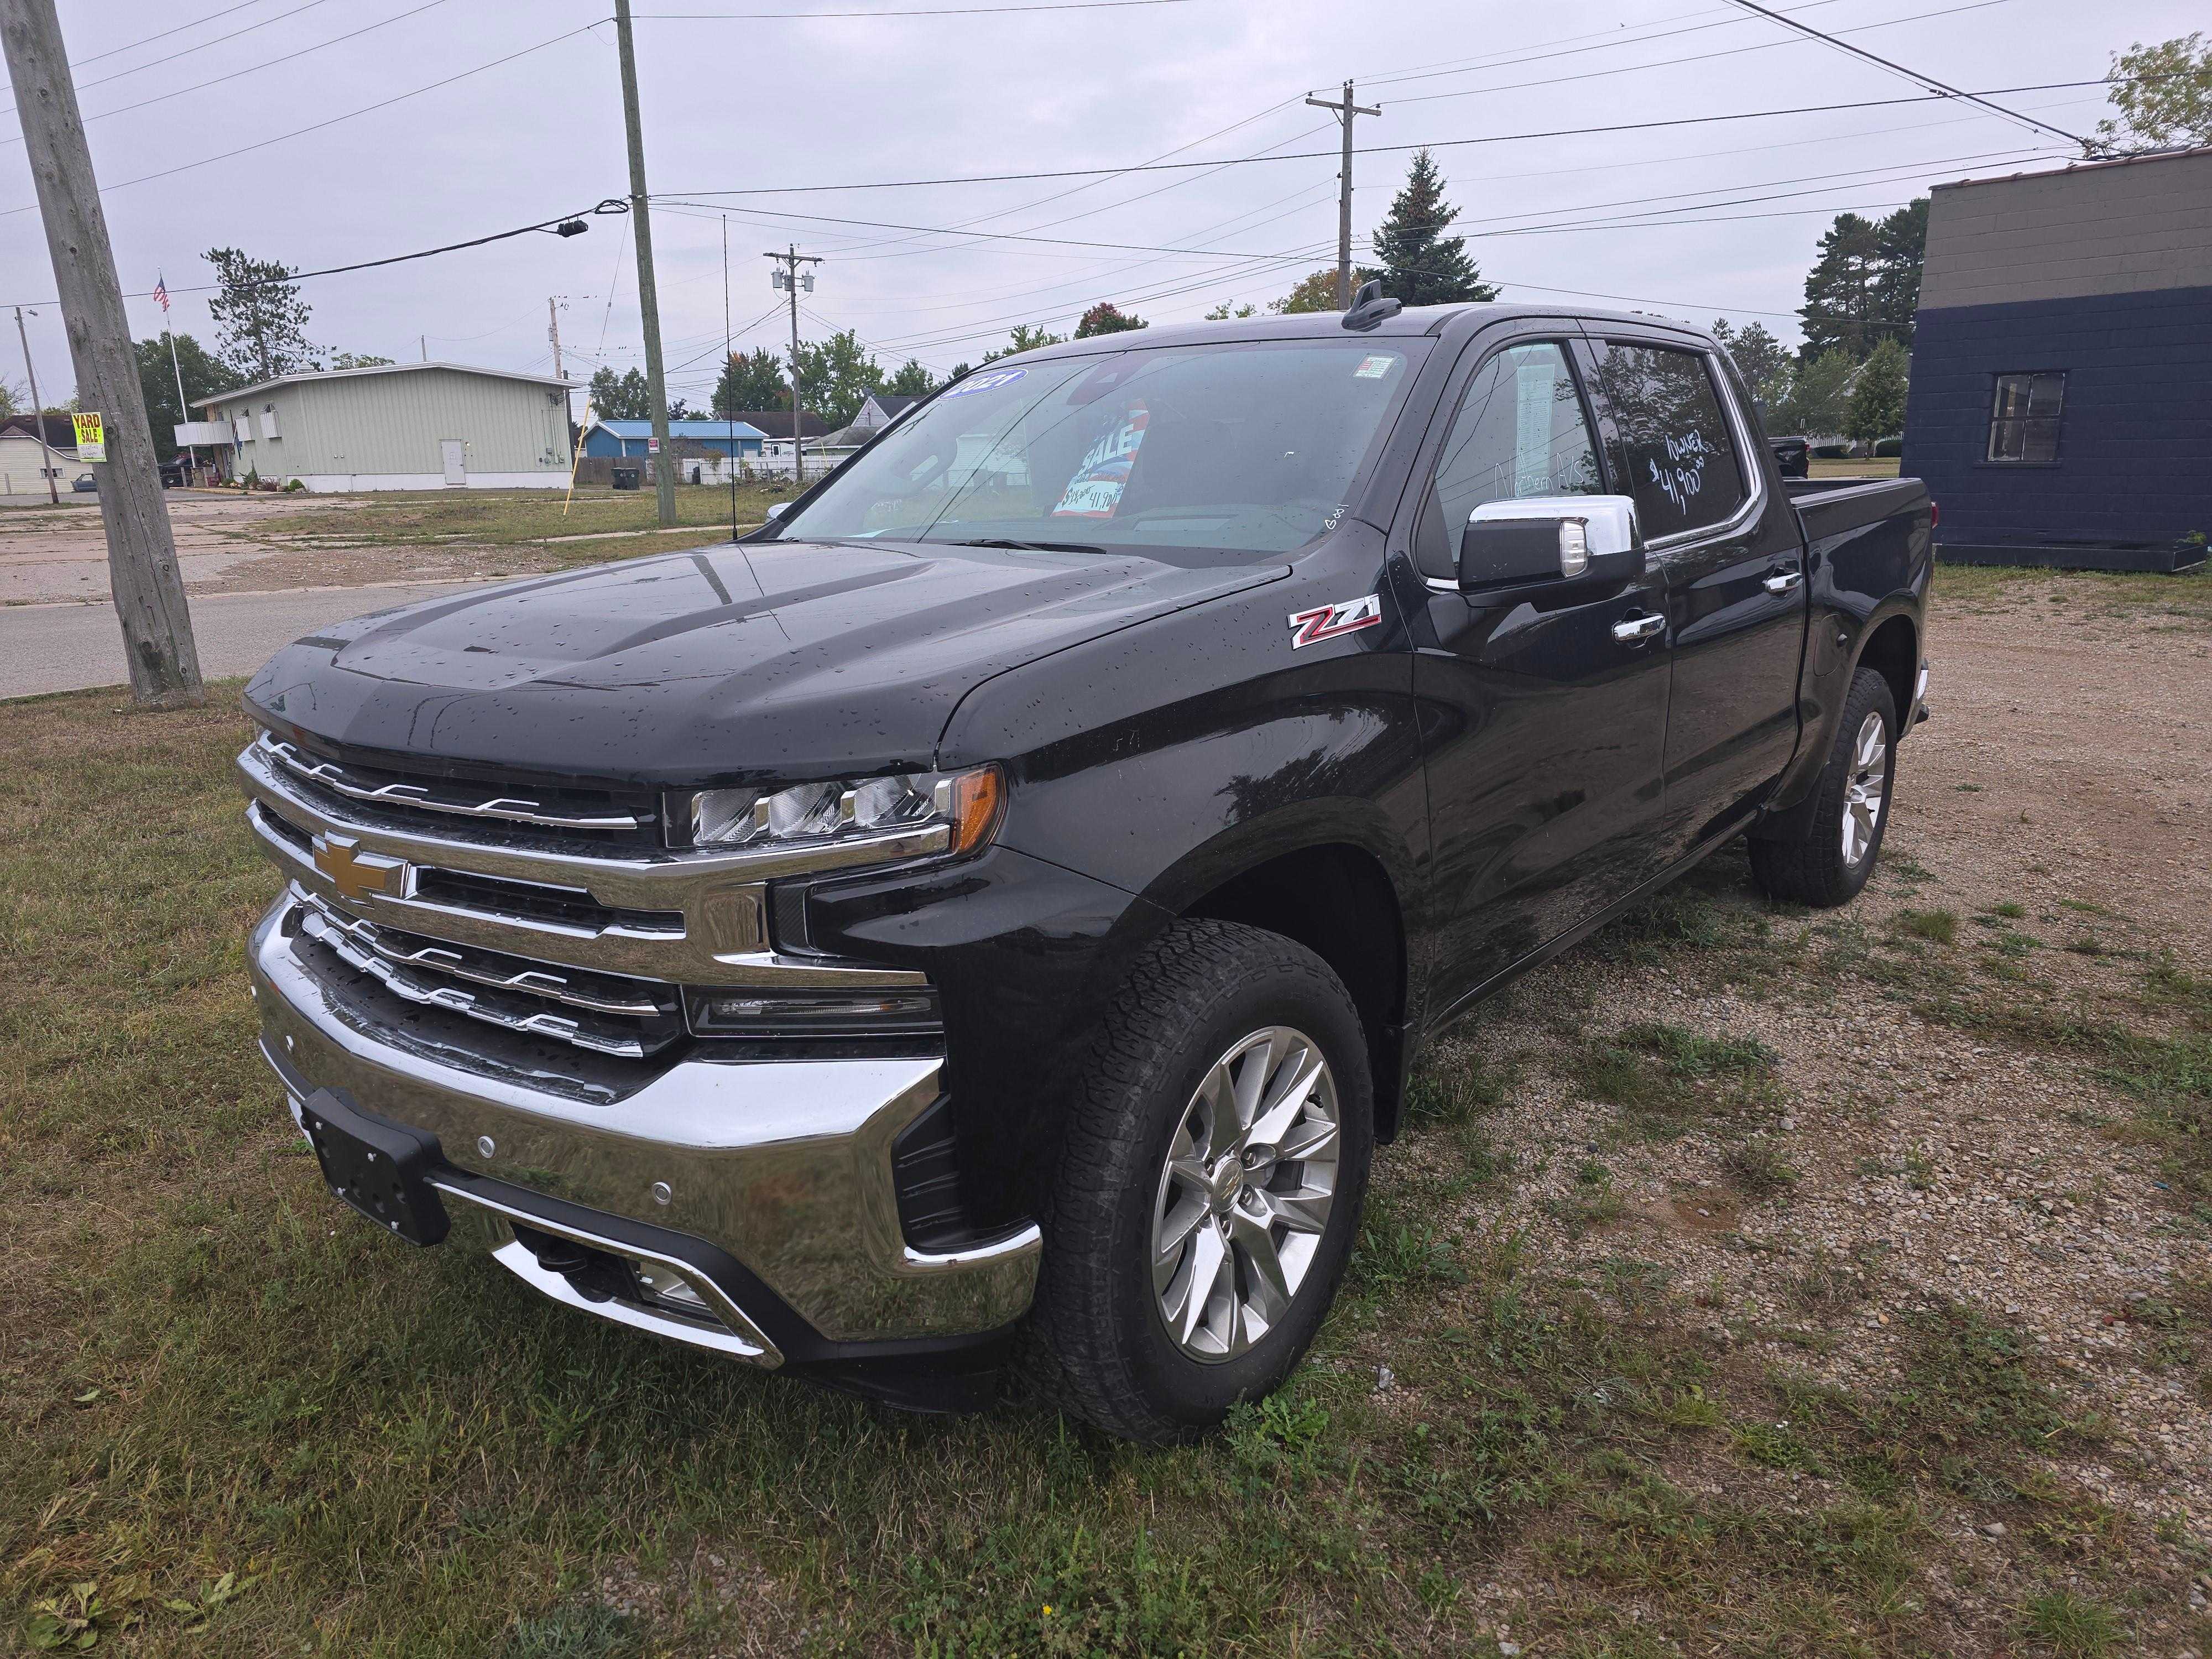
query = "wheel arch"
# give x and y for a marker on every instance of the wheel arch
(1333, 892)
(1892, 649)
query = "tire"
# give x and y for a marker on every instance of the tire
(1829, 850)
(1190, 1018)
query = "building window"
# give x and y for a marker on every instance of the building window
(2023, 416)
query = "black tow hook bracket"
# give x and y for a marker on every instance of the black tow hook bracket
(595, 1275)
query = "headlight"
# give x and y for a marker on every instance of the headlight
(967, 803)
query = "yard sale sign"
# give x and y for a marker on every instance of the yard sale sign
(91, 437)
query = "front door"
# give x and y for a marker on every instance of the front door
(1729, 548)
(455, 455)
(1543, 728)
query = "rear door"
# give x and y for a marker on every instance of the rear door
(1729, 550)
(1543, 727)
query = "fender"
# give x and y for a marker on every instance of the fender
(1793, 796)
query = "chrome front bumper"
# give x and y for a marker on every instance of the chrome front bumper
(786, 1165)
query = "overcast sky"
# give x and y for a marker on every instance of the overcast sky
(1718, 218)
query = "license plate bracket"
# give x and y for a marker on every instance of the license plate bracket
(380, 1168)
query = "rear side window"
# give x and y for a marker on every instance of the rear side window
(1519, 430)
(1672, 445)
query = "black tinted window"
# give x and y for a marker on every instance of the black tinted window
(1672, 447)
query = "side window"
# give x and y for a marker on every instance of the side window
(2023, 416)
(1519, 430)
(1672, 448)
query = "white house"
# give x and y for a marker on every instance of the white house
(23, 464)
(397, 426)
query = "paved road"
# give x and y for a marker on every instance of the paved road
(68, 648)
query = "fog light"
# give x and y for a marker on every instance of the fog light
(750, 1013)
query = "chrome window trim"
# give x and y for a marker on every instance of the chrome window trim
(512, 809)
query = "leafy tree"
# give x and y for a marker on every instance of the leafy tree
(357, 359)
(1761, 359)
(836, 375)
(1316, 291)
(1421, 265)
(620, 396)
(1819, 395)
(261, 321)
(2163, 94)
(1223, 312)
(1107, 318)
(913, 381)
(680, 410)
(1877, 405)
(1865, 286)
(204, 377)
(12, 400)
(751, 380)
(1025, 338)
(961, 371)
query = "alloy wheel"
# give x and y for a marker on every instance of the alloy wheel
(1245, 1194)
(1864, 791)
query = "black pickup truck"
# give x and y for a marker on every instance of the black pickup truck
(994, 908)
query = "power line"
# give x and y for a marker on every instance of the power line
(254, 69)
(147, 40)
(1928, 81)
(1383, 149)
(935, 11)
(187, 52)
(299, 133)
(560, 226)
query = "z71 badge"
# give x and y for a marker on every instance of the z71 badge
(1326, 622)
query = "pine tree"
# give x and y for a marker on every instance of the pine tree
(261, 321)
(1420, 264)
(1865, 286)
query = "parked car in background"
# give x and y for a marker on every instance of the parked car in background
(174, 474)
(1014, 885)
(1793, 457)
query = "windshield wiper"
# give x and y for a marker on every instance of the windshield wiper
(1030, 547)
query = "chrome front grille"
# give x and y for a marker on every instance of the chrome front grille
(631, 1020)
(602, 813)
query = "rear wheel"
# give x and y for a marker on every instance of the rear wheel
(1826, 856)
(1209, 1184)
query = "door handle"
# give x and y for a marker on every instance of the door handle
(1637, 628)
(1782, 581)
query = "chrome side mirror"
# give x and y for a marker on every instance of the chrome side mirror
(775, 509)
(1545, 540)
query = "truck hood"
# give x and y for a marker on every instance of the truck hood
(737, 663)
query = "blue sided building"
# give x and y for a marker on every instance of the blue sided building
(2061, 407)
(615, 438)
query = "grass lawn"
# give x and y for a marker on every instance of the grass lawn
(522, 517)
(234, 1420)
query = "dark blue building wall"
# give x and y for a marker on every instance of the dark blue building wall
(2135, 439)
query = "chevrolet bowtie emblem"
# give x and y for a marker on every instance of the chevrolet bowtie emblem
(357, 874)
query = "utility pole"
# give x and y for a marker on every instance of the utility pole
(648, 299)
(1345, 112)
(142, 551)
(786, 276)
(37, 412)
(553, 331)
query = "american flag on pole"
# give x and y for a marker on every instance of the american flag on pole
(161, 295)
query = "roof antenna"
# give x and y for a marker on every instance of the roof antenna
(1369, 308)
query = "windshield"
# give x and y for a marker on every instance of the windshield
(1248, 446)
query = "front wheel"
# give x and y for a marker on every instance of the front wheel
(1209, 1184)
(1827, 853)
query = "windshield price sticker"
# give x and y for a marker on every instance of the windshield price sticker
(1095, 489)
(991, 382)
(1374, 368)
(91, 436)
